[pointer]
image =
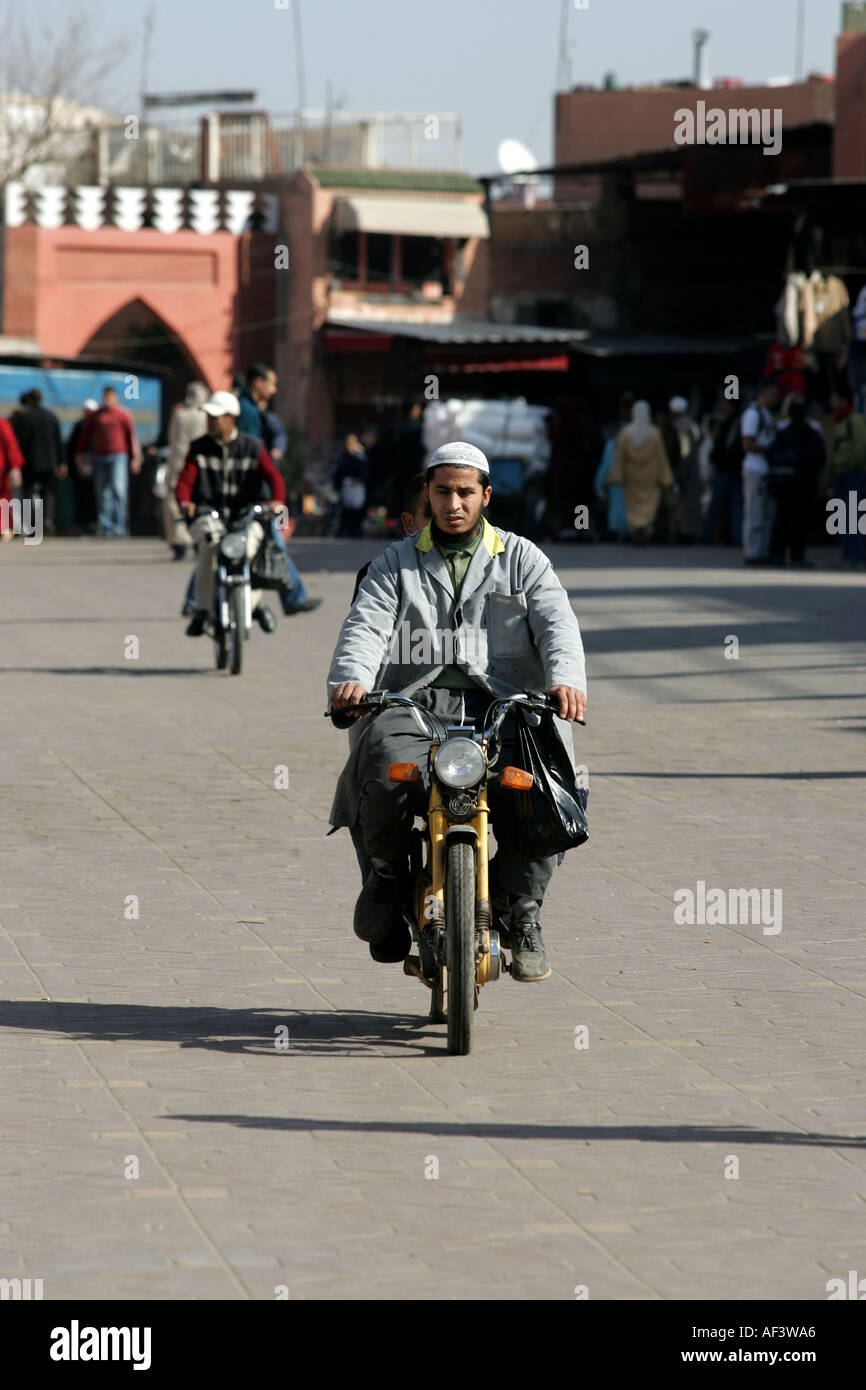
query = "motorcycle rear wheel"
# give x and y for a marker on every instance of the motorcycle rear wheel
(460, 945)
(237, 620)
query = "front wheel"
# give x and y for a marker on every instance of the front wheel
(460, 945)
(237, 628)
(221, 648)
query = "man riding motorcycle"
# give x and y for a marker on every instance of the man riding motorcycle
(226, 471)
(453, 617)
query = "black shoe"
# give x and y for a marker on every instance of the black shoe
(306, 607)
(179, 552)
(377, 911)
(196, 627)
(265, 618)
(529, 960)
(395, 947)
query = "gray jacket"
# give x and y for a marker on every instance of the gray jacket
(512, 629)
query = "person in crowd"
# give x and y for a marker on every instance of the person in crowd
(641, 468)
(38, 433)
(108, 436)
(407, 442)
(351, 479)
(576, 447)
(254, 400)
(686, 470)
(188, 422)
(256, 396)
(608, 493)
(82, 478)
(414, 517)
(847, 471)
(796, 458)
(274, 436)
(11, 474)
(758, 430)
(663, 528)
(726, 459)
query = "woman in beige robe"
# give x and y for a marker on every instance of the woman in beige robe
(640, 466)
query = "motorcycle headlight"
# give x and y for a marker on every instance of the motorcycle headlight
(459, 763)
(233, 546)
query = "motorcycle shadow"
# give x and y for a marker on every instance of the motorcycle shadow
(309, 1032)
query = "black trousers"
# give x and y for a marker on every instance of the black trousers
(388, 808)
(795, 512)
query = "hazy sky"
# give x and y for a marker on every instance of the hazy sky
(493, 61)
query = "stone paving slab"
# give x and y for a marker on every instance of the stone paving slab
(164, 909)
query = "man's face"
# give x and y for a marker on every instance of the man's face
(109, 399)
(263, 389)
(456, 499)
(770, 397)
(221, 427)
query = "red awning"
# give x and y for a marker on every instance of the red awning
(357, 342)
(526, 364)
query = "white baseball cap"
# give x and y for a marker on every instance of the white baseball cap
(678, 404)
(90, 404)
(459, 455)
(222, 403)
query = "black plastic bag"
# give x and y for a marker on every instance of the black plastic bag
(551, 817)
(269, 567)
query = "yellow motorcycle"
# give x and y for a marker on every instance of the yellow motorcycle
(448, 905)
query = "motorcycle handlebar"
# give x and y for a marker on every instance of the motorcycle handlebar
(384, 699)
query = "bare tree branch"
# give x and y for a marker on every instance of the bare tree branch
(49, 71)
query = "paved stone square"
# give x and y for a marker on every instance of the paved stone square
(166, 913)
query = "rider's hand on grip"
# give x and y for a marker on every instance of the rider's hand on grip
(568, 703)
(343, 699)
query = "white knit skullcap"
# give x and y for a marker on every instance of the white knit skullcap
(459, 455)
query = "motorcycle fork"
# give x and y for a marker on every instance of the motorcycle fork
(438, 823)
(222, 597)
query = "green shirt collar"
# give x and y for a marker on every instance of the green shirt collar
(489, 536)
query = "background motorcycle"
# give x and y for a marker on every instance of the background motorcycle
(231, 618)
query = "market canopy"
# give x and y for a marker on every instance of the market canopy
(411, 216)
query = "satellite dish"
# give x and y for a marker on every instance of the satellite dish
(515, 158)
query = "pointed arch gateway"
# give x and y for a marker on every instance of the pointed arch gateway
(137, 333)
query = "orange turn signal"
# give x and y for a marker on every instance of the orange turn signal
(402, 772)
(516, 778)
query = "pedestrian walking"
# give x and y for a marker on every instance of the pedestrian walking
(256, 396)
(351, 480)
(726, 498)
(11, 473)
(188, 422)
(758, 430)
(108, 435)
(255, 400)
(84, 501)
(847, 472)
(38, 432)
(640, 467)
(686, 471)
(796, 458)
